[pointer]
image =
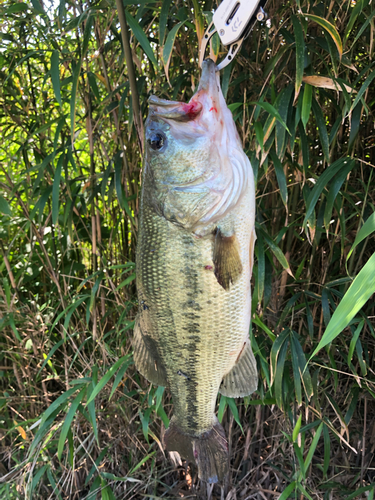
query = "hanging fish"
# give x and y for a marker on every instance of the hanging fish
(194, 263)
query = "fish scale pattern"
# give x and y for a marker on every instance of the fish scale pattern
(197, 329)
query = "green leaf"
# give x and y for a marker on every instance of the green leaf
(362, 90)
(87, 34)
(322, 128)
(313, 446)
(281, 179)
(275, 250)
(142, 38)
(55, 75)
(163, 20)
(233, 408)
(37, 6)
(367, 228)
(300, 53)
(297, 428)
(68, 420)
(261, 267)
(104, 380)
(120, 374)
(288, 490)
(73, 99)
(283, 106)
(257, 321)
(222, 406)
(355, 298)
(18, 7)
(333, 191)
(4, 206)
(330, 28)
(56, 190)
(306, 104)
(353, 342)
(269, 108)
(323, 181)
(168, 47)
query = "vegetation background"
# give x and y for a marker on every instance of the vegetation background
(76, 420)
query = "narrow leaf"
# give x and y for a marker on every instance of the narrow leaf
(163, 20)
(322, 182)
(355, 298)
(329, 27)
(142, 38)
(322, 128)
(55, 75)
(68, 420)
(56, 190)
(4, 206)
(367, 228)
(73, 99)
(300, 53)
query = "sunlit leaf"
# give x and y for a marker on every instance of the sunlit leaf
(329, 27)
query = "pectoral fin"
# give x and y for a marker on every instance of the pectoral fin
(242, 380)
(226, 259)
(146, 356)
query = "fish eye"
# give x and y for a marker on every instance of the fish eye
(156, 140)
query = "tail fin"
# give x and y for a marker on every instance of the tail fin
(209, 450)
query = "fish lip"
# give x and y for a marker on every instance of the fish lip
(208, 81)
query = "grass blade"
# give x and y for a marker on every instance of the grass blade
(357, 295)
(300, 54)
(68, 420)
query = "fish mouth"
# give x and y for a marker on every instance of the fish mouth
(208, 81)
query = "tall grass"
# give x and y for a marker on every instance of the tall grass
(77, 420)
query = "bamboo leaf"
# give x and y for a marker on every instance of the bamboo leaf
(55, 75)
(329, 27)
(313, 446)
(56, 190)
(163, 20)
(68, 421)
(322, 182)
(281, 179)
(270, 109)
(300, 54)
(335, 187)
(168, 47)
(73, 99)
(4, 206)
(363, 89)
(104, 380)
(367, 228)
(322, 128)
(357, 295)
(306, 104)
(325, 83)
(142, 38)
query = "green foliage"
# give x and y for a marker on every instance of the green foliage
(75, 416)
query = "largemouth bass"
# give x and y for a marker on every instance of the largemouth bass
(194, 262)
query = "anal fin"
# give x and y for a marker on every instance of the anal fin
(226, 259)
(242, 380)
(146, 356)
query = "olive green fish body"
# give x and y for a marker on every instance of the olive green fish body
(194, 260)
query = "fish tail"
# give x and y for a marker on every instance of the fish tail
(209, 450)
